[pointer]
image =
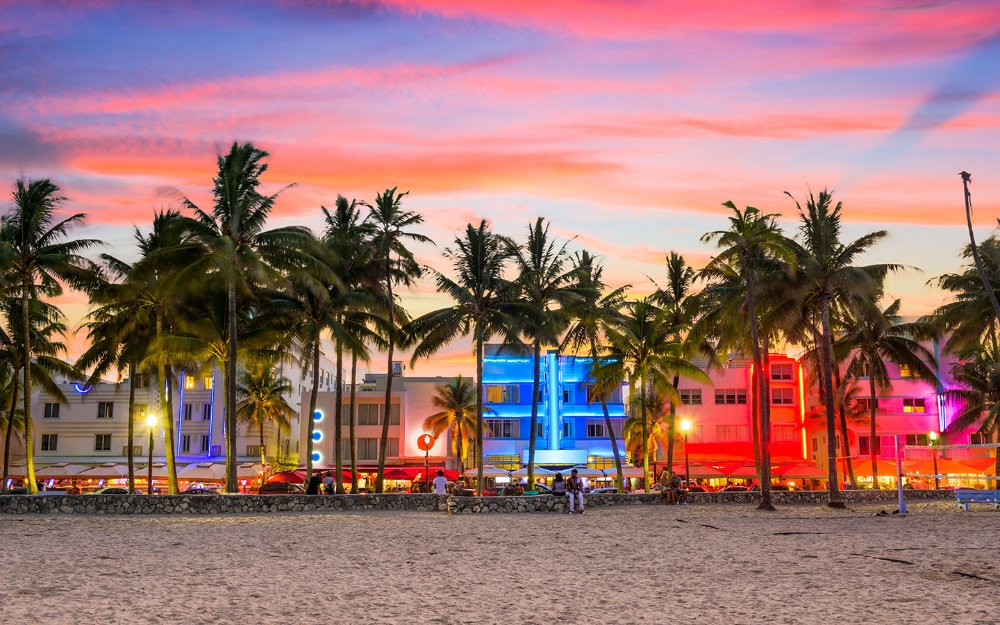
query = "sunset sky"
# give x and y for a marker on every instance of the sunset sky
(626, 123)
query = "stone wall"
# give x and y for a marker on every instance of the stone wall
(215, 504)
(256, 504)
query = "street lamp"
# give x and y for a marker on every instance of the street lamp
(937, 480)
(424, 443)
(686, 427)
(151, 422)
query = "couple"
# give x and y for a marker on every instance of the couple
(572, 487)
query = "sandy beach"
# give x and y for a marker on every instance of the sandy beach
(643, 564)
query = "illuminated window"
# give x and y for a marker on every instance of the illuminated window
(188, 382)
(914, 404)
(782, 397)
(140, 411)
(503, 393)
(730, 396)
(690, 396)
(905, 371)
(208, 383)
(781, 372)
(503, 428)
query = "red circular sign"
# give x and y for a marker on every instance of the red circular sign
(425, 442)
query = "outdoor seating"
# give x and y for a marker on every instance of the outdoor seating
(967, 496)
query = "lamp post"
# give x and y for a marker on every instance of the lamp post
(151, 422)
(424, 443)
(686, 427)
(937, 480)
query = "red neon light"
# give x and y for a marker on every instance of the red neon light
(802, 412)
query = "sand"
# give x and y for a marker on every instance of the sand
(643, 564)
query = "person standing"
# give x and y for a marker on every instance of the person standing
(574, 487)
(440, 484)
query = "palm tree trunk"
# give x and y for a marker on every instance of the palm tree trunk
(338, 430)
(755, 420)
(169, 437)
(842, 421)
(873, 409)
(263, 451)
(8, 431)
(352, 433)
(671, 425)
(645, 433)
(383, 445)
(460, 443)
(765, 421)
(131, 427)
(479, 413)
(312, 406)
(826, 364)
(536, 380)
(29, 452)
(620, 484)
(966, 178)
(231, 365)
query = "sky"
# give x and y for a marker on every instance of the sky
(626, 124)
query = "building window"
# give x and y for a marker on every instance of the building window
(784, 433)
(136, 450)
(186, 444)
(140, 411)
(567, 429)
(905, 371)
(730, 396)
(917, 439)
(188, 411)
(368, 448)
(503, 428)
(690, 396)
(781, 372)
(597, 428)
(592, 396)
(978, 438)
(914, 404)
(206, 412)
(141, 380)
(394, 414)
(102, 442)
(732, 432)
(865, 445)
(540, 429)
(864, 404)
(51, 411)
(254, 450)
(567, 396)
(204, 443)
(105, 410)
(189, 383)
(503, 393)
(782, 396)
(368, 414)
(208, 382)
(50, 442)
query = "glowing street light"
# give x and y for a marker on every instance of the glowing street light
(151, 422)
(424, 443)
(937, 480)
(686, 427)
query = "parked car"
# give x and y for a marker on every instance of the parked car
(733, 488)
(697, 488)
(607, 490)
(111, 490)
(281, 488)
(202, 491)
(542, 489)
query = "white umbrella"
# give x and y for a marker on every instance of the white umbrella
(203, 472)
(586, 472)
(488, 471)
(60, 470)
(631, 471)
(159, 472)
(249, 470)
(17, 470)
(539, 472)
(106, 471)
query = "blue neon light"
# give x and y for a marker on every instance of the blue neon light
(81, 389)
(318, 416)
(317, 436)
(317, 456)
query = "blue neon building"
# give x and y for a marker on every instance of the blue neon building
(571, 425)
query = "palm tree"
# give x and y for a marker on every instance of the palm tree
(827, 274)
(482, 307)
(641, 350)
(968, 319)
(262, 391)
(591, 312)
(547, 285)
(397, 266)
(457, 401)
(41, 258)
(979, 393)
(873, 337)
(980, 266)
(644, 438)
(238, 255)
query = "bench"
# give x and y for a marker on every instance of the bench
(968, 495)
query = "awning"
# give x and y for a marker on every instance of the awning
(698, 470)
(159, 472)
(944, 466)
(488, 471)
(802, 471)
(60, 470)
(108, 471)
(744, 471)
(203, 472)
(863, 466)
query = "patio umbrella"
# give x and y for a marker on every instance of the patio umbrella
(60, 470)
(944, 467)
(203, 472)
(397, 474)
(159, 472)
(249, 470)
(587, 472)
(539, 472)
(290, 477)
(700, 470)
(106, 471)
(488, 471)
(745, 471)
(863, 466)
(451, 476)
(17, 470)
(800, 472)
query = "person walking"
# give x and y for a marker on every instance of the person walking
(574, 486)
(440, 483)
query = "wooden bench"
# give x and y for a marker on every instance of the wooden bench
(968, 495)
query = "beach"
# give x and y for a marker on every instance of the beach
(634, 564)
